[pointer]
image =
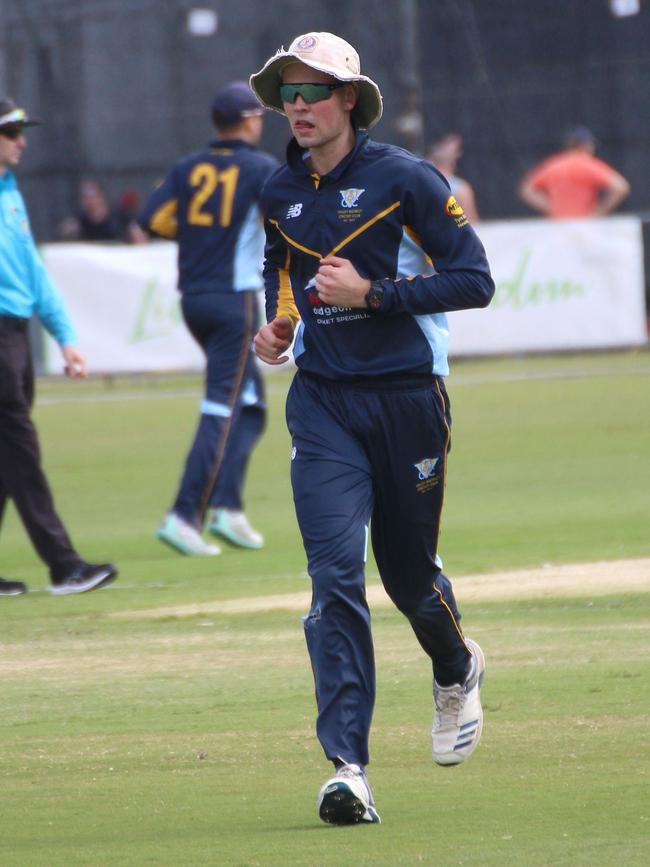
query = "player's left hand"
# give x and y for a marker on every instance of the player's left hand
(338, 282)
(75, 363)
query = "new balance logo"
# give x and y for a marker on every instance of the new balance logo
(294, 210)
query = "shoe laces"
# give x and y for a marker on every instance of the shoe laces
(350, 771)
(354, 772)
(239, 521)
(186, 531)
(449, 702)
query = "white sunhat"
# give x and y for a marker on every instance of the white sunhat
(327, 53)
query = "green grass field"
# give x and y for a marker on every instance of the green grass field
(136, 731)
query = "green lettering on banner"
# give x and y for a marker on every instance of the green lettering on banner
(522, 291)
(156, 317)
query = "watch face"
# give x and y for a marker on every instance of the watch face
(374, 298)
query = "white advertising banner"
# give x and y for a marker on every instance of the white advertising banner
(570, 284)
(565, 284)
(125, 306)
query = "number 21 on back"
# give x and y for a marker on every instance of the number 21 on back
(206, 178)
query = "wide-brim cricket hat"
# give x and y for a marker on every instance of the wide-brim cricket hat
(12, 116)
(327, 53)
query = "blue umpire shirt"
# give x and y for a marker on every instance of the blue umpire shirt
(209, 203)
(25, 286)
(393, 216)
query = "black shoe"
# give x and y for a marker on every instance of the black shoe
(12, 588)
(84, 578)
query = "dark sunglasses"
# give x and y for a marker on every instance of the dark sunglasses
(309, 92)
(12, 132)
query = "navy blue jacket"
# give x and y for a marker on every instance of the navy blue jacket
(393, 216)
(209, 203)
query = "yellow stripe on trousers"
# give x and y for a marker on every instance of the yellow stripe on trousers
(444, 484)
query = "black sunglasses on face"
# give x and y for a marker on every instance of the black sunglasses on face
(12, 132)
(309, 92)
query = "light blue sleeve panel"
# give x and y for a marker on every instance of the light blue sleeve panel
(411, 261)
(435, 329)
(249, 252)
(299, 341)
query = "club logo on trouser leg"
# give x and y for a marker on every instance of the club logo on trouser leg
(427, 474)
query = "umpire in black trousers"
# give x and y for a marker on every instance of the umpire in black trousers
(25, 288)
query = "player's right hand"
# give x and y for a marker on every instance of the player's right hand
(75, 363)
(272, 340)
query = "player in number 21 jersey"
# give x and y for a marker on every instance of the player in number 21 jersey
(208, 204)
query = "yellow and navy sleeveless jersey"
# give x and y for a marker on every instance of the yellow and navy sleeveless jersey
(209, 204)
(394, 217)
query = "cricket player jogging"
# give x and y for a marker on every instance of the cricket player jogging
(208, 203)
(366, 249)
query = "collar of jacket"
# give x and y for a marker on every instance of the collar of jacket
(231, 143)
(296, 157)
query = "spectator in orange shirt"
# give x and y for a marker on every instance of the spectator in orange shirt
(573, 182)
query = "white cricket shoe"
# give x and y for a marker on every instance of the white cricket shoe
(346, 798)
(183, 537)
(233, 526)
(458, 717)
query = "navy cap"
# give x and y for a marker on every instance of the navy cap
(234, 102)
(578, 135)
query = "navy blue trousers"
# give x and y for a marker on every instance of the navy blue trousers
(233, 412)
(370, 455)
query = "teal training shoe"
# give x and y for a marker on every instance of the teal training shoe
(185, 538)
(234, 527)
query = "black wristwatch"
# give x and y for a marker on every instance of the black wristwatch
(375, 295)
